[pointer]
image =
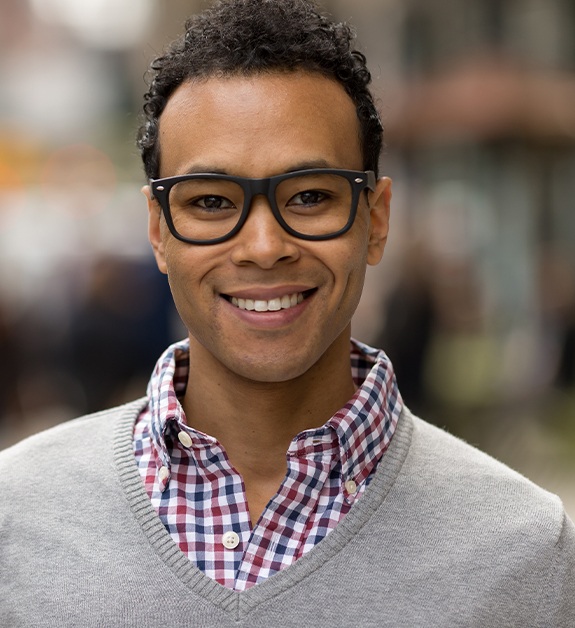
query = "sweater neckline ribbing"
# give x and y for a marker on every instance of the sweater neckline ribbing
(238, 604)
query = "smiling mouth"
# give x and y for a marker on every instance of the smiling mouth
(284, 302)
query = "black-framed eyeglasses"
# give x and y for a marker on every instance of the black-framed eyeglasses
(207, 208)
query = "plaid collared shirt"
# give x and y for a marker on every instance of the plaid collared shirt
(201, 499)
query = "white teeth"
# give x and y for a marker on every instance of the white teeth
(273, 305)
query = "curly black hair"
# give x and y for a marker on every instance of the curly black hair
(247, 37)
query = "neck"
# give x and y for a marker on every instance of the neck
(256, 421)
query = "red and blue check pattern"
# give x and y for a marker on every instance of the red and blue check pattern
(200, 498)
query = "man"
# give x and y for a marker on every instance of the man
(261, 144)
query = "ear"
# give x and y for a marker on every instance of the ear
(154, 230)
(380, 202)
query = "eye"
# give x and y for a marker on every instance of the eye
(212, 202)
(308, 197)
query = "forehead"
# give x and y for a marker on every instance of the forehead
(259, 125)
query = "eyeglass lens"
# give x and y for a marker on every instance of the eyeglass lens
(311, 204)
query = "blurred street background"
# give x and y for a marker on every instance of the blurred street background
(475, 298)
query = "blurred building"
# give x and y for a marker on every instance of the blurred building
(478, 99)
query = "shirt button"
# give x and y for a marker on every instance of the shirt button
(350, 487)
(185, 439)
(230, 540)
(164, 473)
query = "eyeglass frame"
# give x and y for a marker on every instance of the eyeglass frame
(265, 186)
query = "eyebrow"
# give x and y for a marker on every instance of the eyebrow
(304, 165)
(205, 169)
(310, 165)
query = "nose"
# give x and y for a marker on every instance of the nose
(262, 240)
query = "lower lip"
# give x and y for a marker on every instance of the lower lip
(271, 320)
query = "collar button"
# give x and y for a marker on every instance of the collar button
(351, 487)
(185, 439)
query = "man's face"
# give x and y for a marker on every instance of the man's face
(261, 126)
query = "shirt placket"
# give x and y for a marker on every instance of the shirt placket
(217, 523)
(280, 534)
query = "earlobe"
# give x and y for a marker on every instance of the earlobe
(154, 230)
(380, 204)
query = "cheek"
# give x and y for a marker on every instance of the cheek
(183, 261)
(182, 277)
(353, 257)
(357, 264)
(175, 270)
(349, 276)
(356, 281)
(189, 270)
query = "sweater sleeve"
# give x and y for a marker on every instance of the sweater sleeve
(559, 607)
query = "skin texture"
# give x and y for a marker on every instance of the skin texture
(260, 378)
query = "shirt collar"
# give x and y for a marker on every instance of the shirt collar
(366, 424)
(363, 428)
(167, 384)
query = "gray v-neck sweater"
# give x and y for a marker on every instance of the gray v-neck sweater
(443, 536)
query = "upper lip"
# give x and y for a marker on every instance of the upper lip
(267, 293)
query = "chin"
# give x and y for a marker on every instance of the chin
(271, 371)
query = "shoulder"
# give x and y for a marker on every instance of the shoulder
(487, 525)
(448, 451)
(469, 487)
(79, 442)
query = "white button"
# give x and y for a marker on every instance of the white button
(185, 439)
(164, 473)
(350, 487)
(230, 540)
